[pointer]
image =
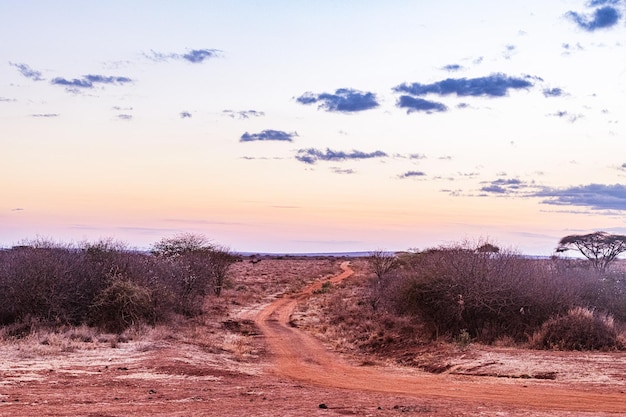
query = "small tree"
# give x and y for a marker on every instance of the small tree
(382, 263)
(601, 248)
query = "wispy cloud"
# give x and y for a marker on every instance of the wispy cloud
(125, 116)
(411, 174)
(89, 81)
(311, 155)
(346, 171)
(594, 196)
(344, 100)
(553, 92)
(495, 85)
(413, 104)
(567, 116)
(194, 56)
(268, 135)
(503, 186)
(452, 67)
(45, 115)
(6, 100)
(27, 71)
(242, 114)
(601, 18)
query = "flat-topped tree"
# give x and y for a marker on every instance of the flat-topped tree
(601, 248)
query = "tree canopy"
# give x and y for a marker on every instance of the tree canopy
(601, 248)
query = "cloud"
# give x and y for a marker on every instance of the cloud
(594, 196)
(88, 81)
(243, 114)
(338, 170)
(311, 155)
(503, 186)
(495, 85)
(6, 100)
(195, 56)
(276, 135)
(602, 18)
(125, 116)
(45, 115)
(419, 104)
(344, 100)
(566, 115)
(452, 67)
(185, 115)
(552, 92)
(27, 71)
(411, 174)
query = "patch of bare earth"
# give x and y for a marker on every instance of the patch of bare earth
(222, 364)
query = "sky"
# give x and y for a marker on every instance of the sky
(326, 126)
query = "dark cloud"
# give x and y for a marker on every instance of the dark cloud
(311, 155)
(495, 85)
(596, 3)
(276, 135)
(45, 115)
(185, 115)
(413, 104)
(411, 174)
(601, 18)
(344, 100)
(552, 92)
(195, 56)
(88, 81)
(594, 196)
(452, 67)
(27, 71)
(243, 114)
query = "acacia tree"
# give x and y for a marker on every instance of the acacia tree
(601, 248)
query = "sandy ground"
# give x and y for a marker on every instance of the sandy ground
(253, 362)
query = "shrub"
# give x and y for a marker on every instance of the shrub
(122, 304)
(490, 294)
(579, 329)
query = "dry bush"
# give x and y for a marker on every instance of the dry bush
(579, 329)
(122, 304)
(489, 294)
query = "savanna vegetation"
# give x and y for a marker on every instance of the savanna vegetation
(107, 285)
(480, 293)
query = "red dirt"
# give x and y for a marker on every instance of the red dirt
(264, 366)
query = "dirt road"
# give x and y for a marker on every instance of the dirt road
(301, 357)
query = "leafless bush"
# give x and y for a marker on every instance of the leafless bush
(105, 281)
(579, 329)
(490, 294)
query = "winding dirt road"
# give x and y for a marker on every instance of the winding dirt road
(301, 357)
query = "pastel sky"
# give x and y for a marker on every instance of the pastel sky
(317, 126)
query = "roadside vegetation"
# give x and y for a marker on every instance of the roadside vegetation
(480, 293)
(106, 285)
